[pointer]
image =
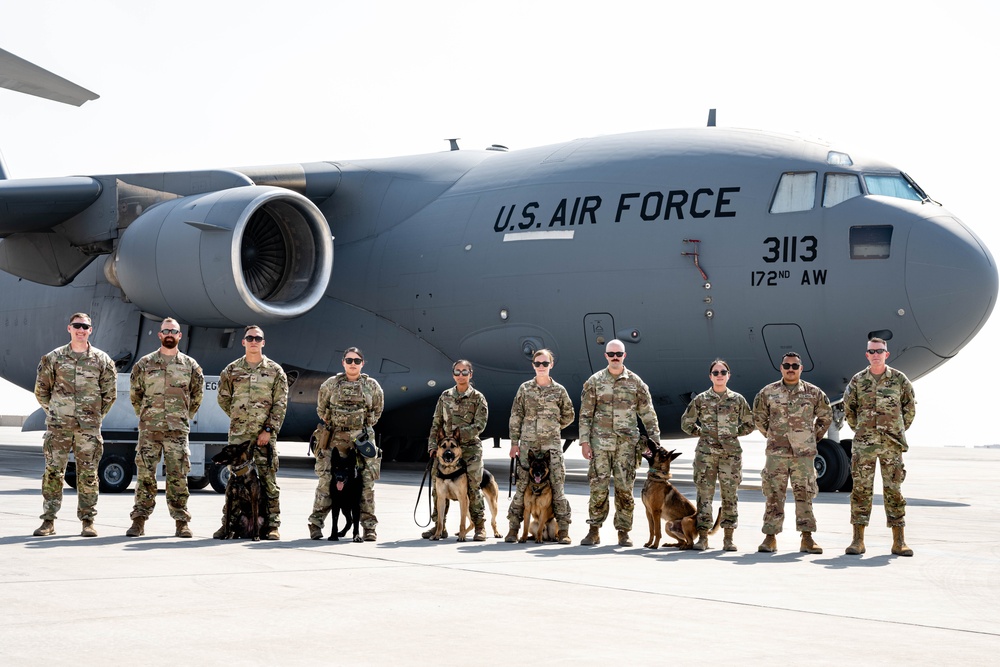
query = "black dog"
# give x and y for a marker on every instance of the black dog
(245, 512)
(345, 492)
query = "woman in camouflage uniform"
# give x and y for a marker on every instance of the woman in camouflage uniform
(462, 408)
(717, 416)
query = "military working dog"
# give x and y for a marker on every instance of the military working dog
(244, 515)
(539, 516)
(452, 483)
(664, 502)
(345, 493)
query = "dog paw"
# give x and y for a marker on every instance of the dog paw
(333, 538)
(357, 538)
(461, 538)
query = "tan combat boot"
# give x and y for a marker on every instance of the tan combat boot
(593, 536)
(898, 543)
(512, 534)
(88, 529)
(429, 533)
(182, 529)
(220, 534)
(315, 532)
(480, 534)
(562, 537)
(727, 540)
(370, 535)
(47, 528)
(623, 539)
(702, 542)
(769, 545)
(273, 534)
(858, 543)
(138, 527)
(808, 545)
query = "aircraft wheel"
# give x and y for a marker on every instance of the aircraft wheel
(218, 475)
(197, 483)
(848, 485)
(70, 475)
(832, 465)
(114, 474)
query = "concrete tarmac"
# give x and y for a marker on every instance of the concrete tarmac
(161, 600)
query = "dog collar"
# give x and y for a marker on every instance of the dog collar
(657, 474)
(241, 469)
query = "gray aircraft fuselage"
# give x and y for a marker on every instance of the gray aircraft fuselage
(664, 239)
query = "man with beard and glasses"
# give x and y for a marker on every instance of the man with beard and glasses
(166, 391)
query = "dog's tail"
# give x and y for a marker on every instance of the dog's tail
(718, 518)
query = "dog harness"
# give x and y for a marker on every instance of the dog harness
(461, 470)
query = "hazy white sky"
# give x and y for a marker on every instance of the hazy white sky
(188, 85)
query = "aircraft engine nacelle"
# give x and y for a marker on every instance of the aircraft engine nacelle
(254, 254)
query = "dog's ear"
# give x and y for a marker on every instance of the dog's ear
(439, 436)
(673, 454)
(456, 434)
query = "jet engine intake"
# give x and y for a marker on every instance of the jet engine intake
(254, 254)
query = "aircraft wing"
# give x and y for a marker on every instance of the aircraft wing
(24, 77)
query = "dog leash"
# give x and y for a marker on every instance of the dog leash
(510, 478)
(420, 490)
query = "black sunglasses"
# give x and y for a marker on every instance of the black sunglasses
(718, 373)
(254, 339)
(173, 332)
(541, 363)
(877, 352)
(354, 360)
(80, 325)
(614, 354)
(792, 367)
(464, 372)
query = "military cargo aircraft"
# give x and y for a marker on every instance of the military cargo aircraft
(686, 244)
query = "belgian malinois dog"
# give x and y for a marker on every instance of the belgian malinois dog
(665, 503)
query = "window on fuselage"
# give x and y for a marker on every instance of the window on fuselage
(839, 188)
(796, 192)
(891, 185)
(871, 241)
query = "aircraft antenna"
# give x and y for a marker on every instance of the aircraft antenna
(453, 143)
(711, 117)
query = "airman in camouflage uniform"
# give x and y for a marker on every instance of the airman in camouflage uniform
(718, 416)
(794, 415)
(253, 391)
(609, 435)
(350, 404)
(75, 386)
(462, 408)
(879, 405)
(166, 390)
(542, 408)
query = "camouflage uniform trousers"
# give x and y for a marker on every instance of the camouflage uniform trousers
(369, 473)
(618, 464)
(890, 457)
(774, 483)
(557, 475)
(266, 461)
(473, 457)
(87, 448)
(725, 463)
(173, 445)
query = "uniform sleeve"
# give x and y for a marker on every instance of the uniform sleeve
(745, 417)
(225, 395)
(588, 404)
(478, 425)
(323, 401)
(824, 415)
(689, 420)
(516, 416)
(647, 414)
(197, 388)
(761, 414)
(909, 403)
(378, 404)
(279, 400)
(566, 412)
(437, 424)
(851, 403)
(136, 387)
(108, 384)
(44, 381)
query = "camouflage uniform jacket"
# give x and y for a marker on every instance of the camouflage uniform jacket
(539, 414)
(466, 412)
(166, 391)
(350, 406)
(76, 390)
(718, 418)
(609, 407)
(794, 418)
(880, 409)
(253, 398)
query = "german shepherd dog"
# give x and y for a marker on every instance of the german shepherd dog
(539, 516)
(245, 512)
(664, 502)
(453, 484)
(345, 493)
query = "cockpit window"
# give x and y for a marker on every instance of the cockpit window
(796, 192)
(839, 188)
(891, 185)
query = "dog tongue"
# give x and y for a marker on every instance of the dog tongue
(538, 479)
(340, 486)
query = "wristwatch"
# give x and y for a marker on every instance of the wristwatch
(267, 429)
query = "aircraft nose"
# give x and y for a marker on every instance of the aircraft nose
(951, 282)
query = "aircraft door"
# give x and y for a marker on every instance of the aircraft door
(598, 329)
(780, 339)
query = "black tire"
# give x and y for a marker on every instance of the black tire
(70, 475)
(218, 475)
(114, 473)
(848, 485)
(197, 483)
(832, 465)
